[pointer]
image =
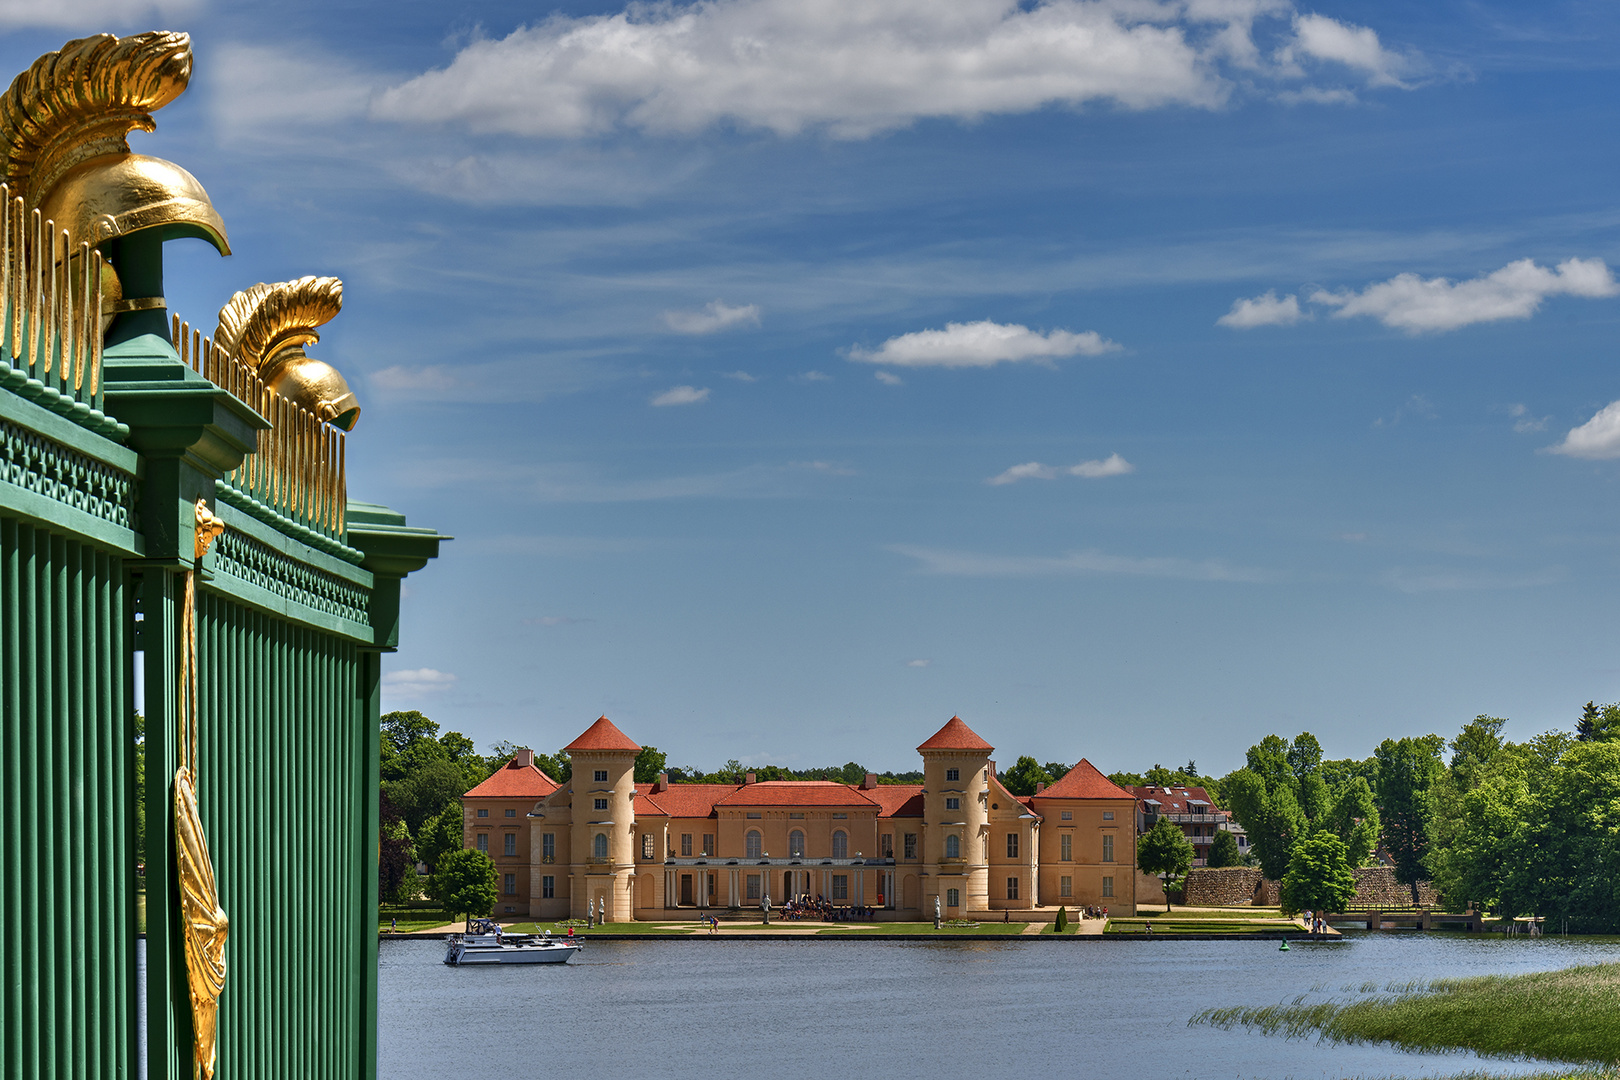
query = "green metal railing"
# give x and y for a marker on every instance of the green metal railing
(283, 768)
(67, 900)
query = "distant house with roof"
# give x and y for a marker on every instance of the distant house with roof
(1192, 809)
(660, 850)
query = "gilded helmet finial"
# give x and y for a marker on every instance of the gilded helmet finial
(63, 145)
(267, 326)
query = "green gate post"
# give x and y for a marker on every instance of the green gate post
(189, 433)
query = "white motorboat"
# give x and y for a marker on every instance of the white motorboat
(486, 944)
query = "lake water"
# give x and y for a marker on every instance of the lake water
(838, 1009)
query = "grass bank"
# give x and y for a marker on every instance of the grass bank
(1184, 925)
(923, 929)
(1567, 1015)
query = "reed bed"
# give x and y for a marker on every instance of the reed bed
(1566, 1016)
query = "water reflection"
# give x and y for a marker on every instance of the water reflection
(717, 1007)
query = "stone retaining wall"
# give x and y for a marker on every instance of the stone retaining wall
(1229, 886)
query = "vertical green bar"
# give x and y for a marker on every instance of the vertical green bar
(56, 865)
(76, 881)
(12, 1032)
(28, 629)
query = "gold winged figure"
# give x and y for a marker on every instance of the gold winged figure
(267, 326)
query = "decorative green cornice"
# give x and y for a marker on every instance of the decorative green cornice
(391, 547)
(173, 411)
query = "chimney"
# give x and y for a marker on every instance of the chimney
(748, 778)
(524, 758)
(662, 784)
(1040, 786)
(870, 782)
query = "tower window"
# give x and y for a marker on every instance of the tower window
(601, 776)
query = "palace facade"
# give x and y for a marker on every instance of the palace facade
(662, 850)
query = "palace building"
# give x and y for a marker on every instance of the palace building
(660, 850)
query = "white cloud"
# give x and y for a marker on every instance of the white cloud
(1113, 465)
(973, 564)
(981, 344)
(77, 14)
(1523, 422)
(813, 376)
(1417, 305)
(1422, 581)
(849, 66)
(889, 378)
(740, 376)
(1264, 310)
(682, 395)
(416, 683)
(716, 315)
(1356, 47)
(918, 663)
(1597, 440)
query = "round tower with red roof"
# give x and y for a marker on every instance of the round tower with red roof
(602, 789)
(956, 820)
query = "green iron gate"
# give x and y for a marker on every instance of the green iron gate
(122, 452)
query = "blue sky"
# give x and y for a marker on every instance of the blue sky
(1134, 379)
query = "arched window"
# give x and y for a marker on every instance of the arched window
(599, 846)
(953, 847)
(840, 845)
(753, 843)
(795, 844)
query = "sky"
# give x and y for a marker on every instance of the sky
(1132, 379)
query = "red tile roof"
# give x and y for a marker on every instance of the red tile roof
(681, 800)
(1174, 800)
(1014, 800)
(897, 800)
(1084, 782)
(955, 735)
(512, 781)
(798, 793)
(602, 735)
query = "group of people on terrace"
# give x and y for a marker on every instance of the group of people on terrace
(803, 907)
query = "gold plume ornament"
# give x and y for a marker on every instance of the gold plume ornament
(64, 151)
(204, 924)
(267, 326)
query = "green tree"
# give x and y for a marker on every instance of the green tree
(1407, 772)
(1270, 815)
(649, 763)
(1319, 877)
(1314, 798)
(1165, 850)
(1304, 755)
(1586, 727)
(558, 766)
(464, 884)
(396, 856)
(1354, 819)
(1056, 770)
(1224, 851)
(1024, 775)
(853, 773)
(1473, 749)
(440, 834)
